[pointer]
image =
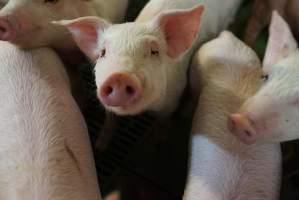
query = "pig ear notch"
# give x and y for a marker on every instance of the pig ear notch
(86, 31)
(180, 28)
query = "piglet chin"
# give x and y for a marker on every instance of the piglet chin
(126, 110)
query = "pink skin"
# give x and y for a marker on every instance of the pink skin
(267, 123)
(258, 118)
(120, 90)
(242, 127)
(7, 32)
(16, 29)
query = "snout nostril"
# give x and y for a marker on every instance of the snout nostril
(130, 90)
(108, 91)
(231, 124)
(248, 133)
(2, 30)
(7, 32)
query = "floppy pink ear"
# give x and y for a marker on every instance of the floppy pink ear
(281, 41)
(86, 32)
(180, 28)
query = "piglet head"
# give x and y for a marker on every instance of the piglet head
(27, 23)
(272, 114)
(136, 63)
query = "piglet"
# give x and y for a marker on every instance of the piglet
(272, 114)
(221, 167)
(27, 23)
(142, 66)
(45, 151)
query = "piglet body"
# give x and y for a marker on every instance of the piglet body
(45, 151)
(221, 167)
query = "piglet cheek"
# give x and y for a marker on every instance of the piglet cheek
(98, 74)
(267, 125)
(22, 23)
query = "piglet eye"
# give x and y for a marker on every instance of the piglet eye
(155, 52)
(265, 77)
(103, 53)
(51, 1)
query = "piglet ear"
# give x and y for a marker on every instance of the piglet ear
(86, 32)
(180, 28)
(281, 41)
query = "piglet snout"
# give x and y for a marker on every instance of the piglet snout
(7, 32)
(119, 90)
(242, 127)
